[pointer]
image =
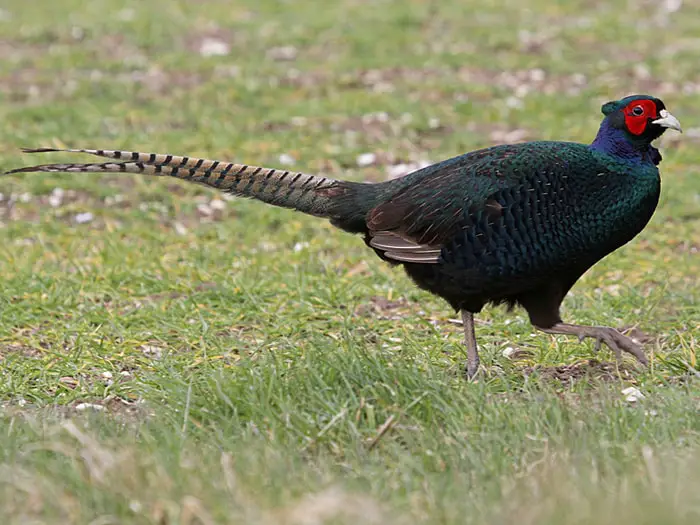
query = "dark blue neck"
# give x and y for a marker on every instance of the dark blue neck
(617, 142)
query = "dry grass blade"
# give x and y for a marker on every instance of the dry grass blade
(382, 430)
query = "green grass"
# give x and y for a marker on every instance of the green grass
(256, 366)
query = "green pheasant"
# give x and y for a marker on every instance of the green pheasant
(515, 224)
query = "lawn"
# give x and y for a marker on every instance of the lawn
(172, 355)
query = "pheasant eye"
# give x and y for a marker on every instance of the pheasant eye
(637, 111)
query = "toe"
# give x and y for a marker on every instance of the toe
(598, 344)
(472, 369)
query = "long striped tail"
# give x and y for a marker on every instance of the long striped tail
(345, 203)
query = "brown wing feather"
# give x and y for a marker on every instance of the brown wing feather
(400, 248)
(414, 225)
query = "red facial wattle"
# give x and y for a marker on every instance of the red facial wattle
(635, 120)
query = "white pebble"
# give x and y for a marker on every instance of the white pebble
(514, 103)
(379, 116)
(86, 406)
(537, 75)
(298, 121)
(152, 351)
(204, 209)
(671, 6)
(83, 218)
(397, 170)
(286, 159)
(56, 197)
(217, 204)
(180, 228)
(282, 53)
(632, 394)
(213, 47)
(366, 159)
(508, 351)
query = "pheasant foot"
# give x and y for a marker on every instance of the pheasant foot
(616, 341)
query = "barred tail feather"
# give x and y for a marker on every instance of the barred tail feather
(315, 195)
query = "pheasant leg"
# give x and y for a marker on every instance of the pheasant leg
(617, 342)
(470, 343)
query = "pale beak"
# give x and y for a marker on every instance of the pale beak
(668, 121)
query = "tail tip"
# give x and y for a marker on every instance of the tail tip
(30, 150)
(18, 170)
(39, 150)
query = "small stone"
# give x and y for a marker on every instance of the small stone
(213, 47)
(152, 351)
(521, 91)
(642, 71)
(406, 118)
(228, 71)
(282, 53)
(81, 407)
(180, 228)
(397, 170)
(126, 15)
(514, 103)
(70, 382)
(671, 6)
(298, 121)
(578, 79)
(632, 394)
(217, 205)
(85, 217)
(379, 116)
(366, 159)
(78, 33)
(300, 246)
(56, 197)
(286, 159)
(204, 209)
(537, 75)
(508, 351)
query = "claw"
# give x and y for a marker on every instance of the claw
(616, 341)
(616, 350)
(472, 369)
(598, 343)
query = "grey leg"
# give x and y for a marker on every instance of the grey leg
(470, 342)
(617, 342)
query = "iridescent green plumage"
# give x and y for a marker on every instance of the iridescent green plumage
(514, 220)
(515, 224)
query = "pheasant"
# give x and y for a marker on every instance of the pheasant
(514, 224)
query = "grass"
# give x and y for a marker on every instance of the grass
(169, 356)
